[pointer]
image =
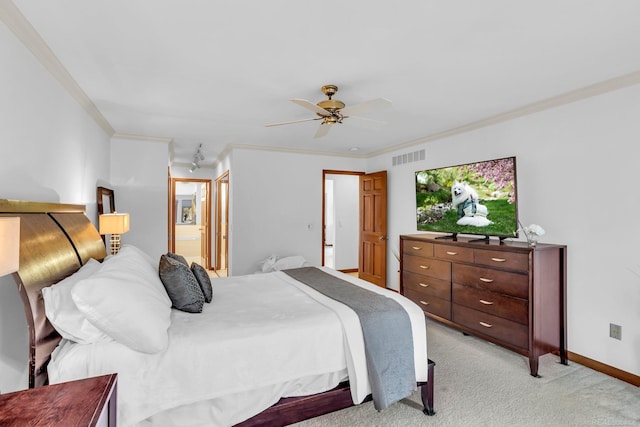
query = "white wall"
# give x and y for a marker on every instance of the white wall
(347, 220)
(50, 150)
(577, 167)
(276, 205)
(329, 212)
(139, 174)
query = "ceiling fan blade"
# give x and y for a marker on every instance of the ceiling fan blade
(293, 121)
(323, 129)
(363, 122)
(310, 106)
(367, 106)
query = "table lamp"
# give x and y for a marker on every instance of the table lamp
(114, 224)
(9, 245)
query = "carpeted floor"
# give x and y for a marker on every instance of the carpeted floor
(480, 384)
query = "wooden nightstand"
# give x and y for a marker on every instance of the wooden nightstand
(86, 402)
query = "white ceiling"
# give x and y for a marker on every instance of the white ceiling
(215, 72)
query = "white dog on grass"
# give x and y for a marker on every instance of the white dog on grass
(465, 200)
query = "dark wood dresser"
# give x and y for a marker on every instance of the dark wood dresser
(82, 403)
(505, 292)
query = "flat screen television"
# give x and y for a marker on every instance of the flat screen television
(474, 198)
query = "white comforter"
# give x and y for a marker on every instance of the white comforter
(263, 335)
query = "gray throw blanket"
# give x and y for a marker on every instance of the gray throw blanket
(386, 328)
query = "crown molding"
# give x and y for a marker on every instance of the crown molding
(160, 139)
(595, 89)
(232, 147)
(24, 31)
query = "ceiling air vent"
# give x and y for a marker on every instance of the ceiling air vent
(408, 157)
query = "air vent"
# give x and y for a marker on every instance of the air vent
(408, 157)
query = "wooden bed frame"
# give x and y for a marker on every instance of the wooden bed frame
(56, 240)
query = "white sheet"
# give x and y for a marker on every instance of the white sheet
(261, 332)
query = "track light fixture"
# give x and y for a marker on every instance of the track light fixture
(197, 158)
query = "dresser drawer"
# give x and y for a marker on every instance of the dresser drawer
(430, 304)
(501, 259)
(504, 282)
(453, 253)
(505, 330)
(426, 285)
(414, 247)
(427, 266)
(500, 305)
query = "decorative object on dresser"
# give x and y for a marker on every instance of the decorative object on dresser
(508, 293)
(532, 232)
(88, 402)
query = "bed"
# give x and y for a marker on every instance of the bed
(58, 241)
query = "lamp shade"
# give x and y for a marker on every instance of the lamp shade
(9, 245)
(114, 223)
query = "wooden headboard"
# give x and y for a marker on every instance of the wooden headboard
(55, 241)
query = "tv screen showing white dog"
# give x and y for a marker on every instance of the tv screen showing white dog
(473, 198)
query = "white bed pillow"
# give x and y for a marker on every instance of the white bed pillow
(274, 263)
(127, 301)
(63, 313)
(126, 248)
(294, 261)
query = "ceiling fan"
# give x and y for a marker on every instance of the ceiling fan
(332, 111)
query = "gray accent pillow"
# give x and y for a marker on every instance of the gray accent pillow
(181, 285)
(204, 280)
(178, 258)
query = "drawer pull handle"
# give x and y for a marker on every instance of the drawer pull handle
(498, 259)
(424, 267)
(416, 248)
(424, 285)
(452, 253)
(424, 302)
(486, 325)
(482, 279)
(486, 302)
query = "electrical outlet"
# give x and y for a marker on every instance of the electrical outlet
(615, 331)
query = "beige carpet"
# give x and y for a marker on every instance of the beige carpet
(480, 384)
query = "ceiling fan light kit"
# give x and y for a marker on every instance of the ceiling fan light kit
(332, 111)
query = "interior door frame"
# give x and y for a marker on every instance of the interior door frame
(326, 172)
(173, 214)
(223, 178)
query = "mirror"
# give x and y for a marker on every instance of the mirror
(105, 200)
(106, 203)
(187, 211)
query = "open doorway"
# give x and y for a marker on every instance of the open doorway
(340, 216)
(191, 219)
(222, 225)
